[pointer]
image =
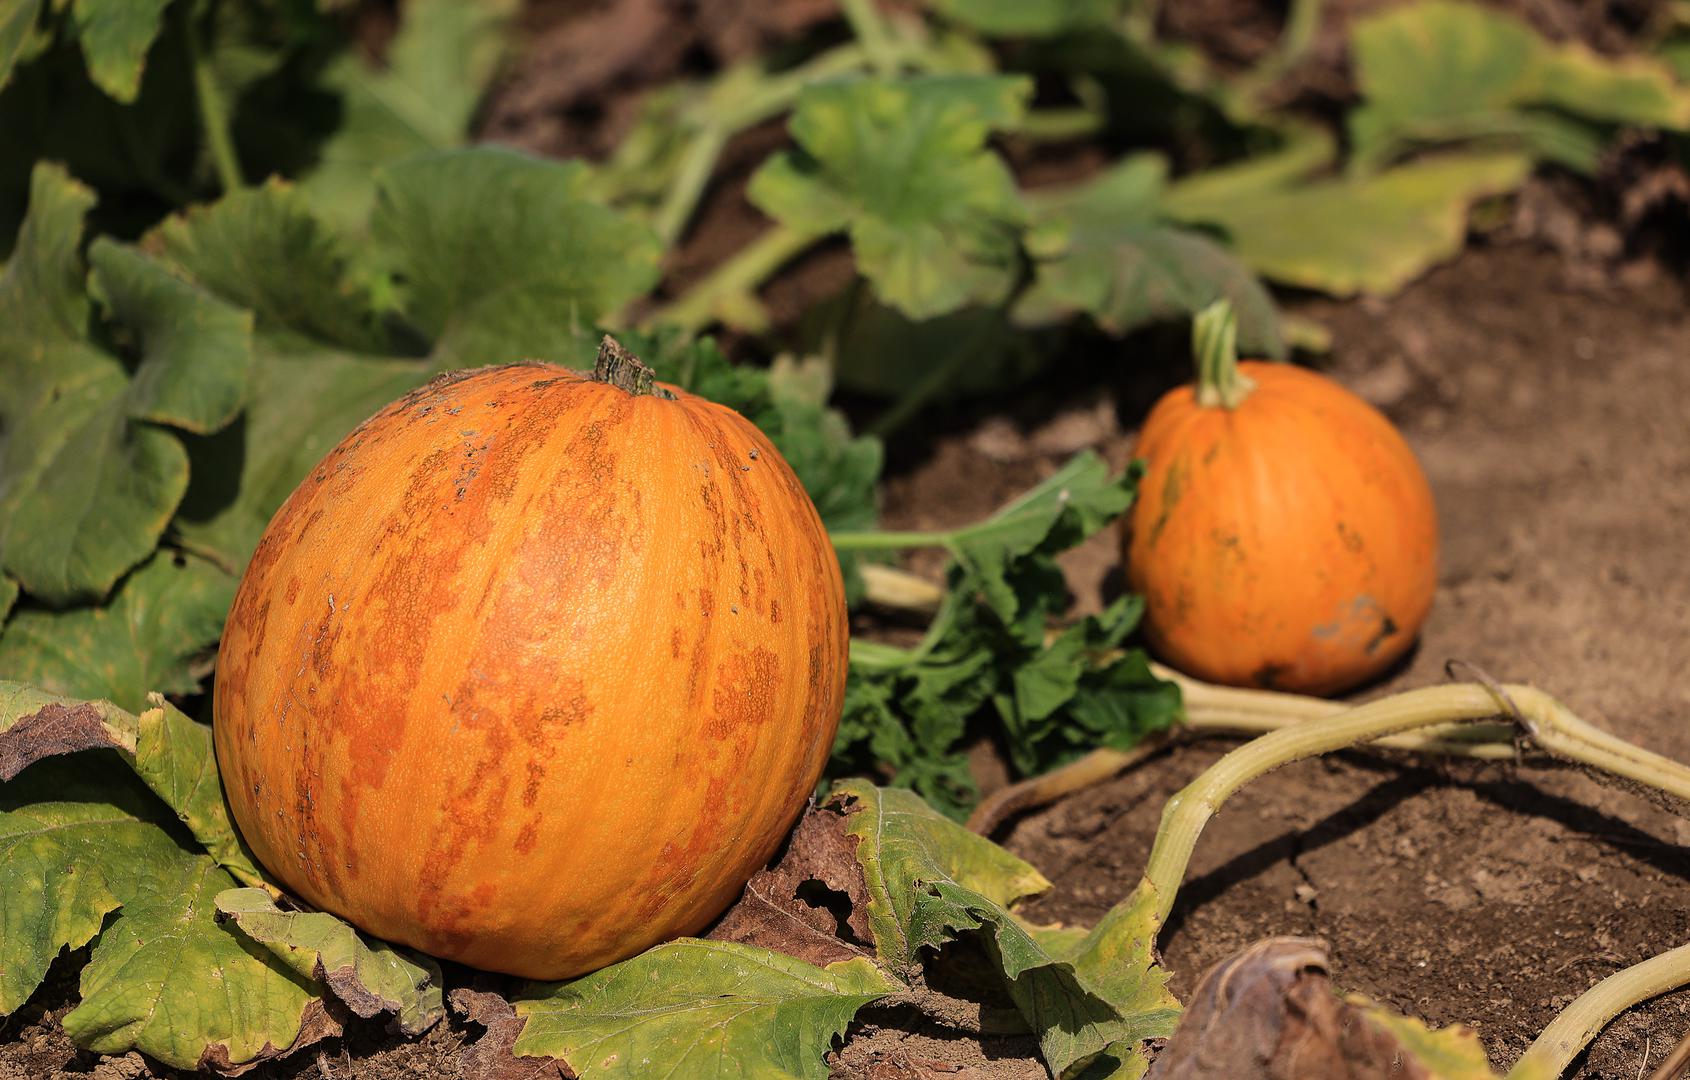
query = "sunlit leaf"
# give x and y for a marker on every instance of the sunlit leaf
(371, 977)
(707, 1009)
(903, 168)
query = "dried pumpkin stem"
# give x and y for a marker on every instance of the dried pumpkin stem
(622, 369)
(1214, 345)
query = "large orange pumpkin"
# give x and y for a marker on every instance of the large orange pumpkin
(1284, 535)
(534, 670)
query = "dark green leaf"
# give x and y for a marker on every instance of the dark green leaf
(115, 36)
(173, 756)
(421, 98)
(1103, 248)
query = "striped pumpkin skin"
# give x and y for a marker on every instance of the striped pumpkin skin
(1290, 543)
(531, 672)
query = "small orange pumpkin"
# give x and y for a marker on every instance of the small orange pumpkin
(534, 670)
(1284, 535)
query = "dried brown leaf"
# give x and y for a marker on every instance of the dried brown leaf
(490, 1057)
(800, 905)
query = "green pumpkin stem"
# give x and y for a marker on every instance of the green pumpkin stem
(1214, 345)
(622, 369)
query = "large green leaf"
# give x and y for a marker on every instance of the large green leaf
(163, 617)
(17, 23)
(75, 842)
(1103, 248)
(115, 36)
(422, 97)
(173, 755)
(1442, 71)
(500, 257)
(1356, 234)
(903, 168)
(87, 477)
(929, 879)
(167, 979)
(707, 1009)
(371, 977)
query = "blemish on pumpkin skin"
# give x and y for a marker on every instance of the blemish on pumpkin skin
(746, 686)
(528, 837)
(1172, 488)
(1350, 538)
(706, 602)
(676, 638)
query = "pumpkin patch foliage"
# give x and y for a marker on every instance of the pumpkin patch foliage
(234, 232)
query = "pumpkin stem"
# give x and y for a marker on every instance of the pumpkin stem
(622, 369)
(1214, 344)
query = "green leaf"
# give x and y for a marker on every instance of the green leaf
(162, 618)
(115, 36)
(87, 481)
(498, 249)
(17, 23)
(704, 1009)
(903, 167)
(422, 98)
(173, 756)
(501, 258)
(1440, 72)
(8, 597)
(1103, 248)
(198, 349)
(165, 978)
(1027, 18)
(929, 879)
(1068, 506)
(74, 844)
(371, 977)
(1451, 1053)
(1369, 234)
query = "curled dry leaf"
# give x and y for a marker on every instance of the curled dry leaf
(812, 903)
(490, 1057)
(1269, 1013)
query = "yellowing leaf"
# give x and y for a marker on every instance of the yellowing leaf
(163, 617)
(74, 843)
(115, 36)
(370, 977)
(709, 1010)
(1361, 234)
(167, 979)
(1442, 71)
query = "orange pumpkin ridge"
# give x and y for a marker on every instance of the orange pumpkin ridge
(1284, 536)
(534, 670)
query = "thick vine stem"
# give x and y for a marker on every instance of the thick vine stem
(1570, 1032)
(740, 275)
(1548, 723)
(208, 96)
